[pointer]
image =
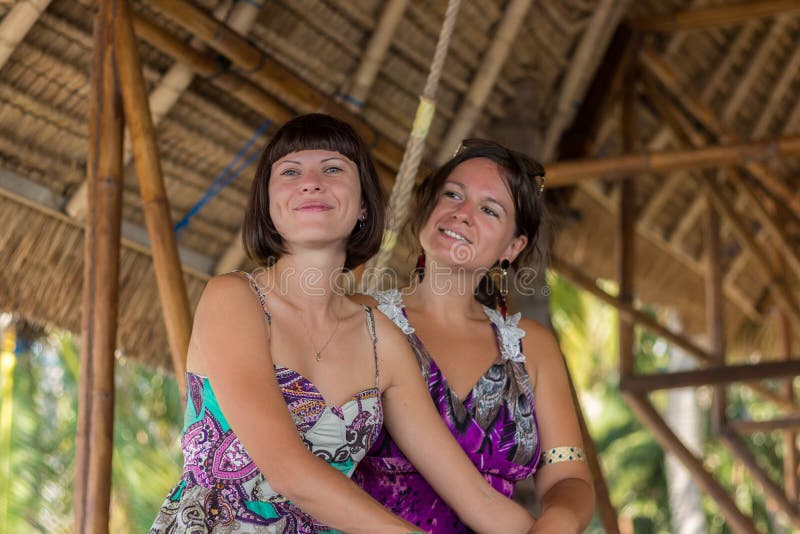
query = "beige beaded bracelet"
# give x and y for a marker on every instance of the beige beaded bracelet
(562, 454)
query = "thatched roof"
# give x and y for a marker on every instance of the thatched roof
(747, 74)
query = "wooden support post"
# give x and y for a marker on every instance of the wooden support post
(171, 286)
(605, 510)
(95, 435)
(710, 17)
(626, 229)
(648, 415)
(719, 374)
(772, 491)
(790, 456)
(715, 305)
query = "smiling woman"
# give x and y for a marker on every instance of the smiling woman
(281, 354)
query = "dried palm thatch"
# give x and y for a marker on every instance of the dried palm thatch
(745, 73)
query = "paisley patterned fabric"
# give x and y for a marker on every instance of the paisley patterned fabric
(221, 490)
(495, 425)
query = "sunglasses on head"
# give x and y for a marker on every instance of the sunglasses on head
(532, 168)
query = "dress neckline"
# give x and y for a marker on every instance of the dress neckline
(353, 398)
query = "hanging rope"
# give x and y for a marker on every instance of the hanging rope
(406, 175)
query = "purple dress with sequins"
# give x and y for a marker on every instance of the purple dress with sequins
(495, 425)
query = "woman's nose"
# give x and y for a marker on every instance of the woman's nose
(311, 182)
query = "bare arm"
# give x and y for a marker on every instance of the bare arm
(230, 345)
(565, 488)
(415, 425)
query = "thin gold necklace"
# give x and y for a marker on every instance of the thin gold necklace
(318, 353)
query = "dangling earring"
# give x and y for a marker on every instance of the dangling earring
(502, 290)
(419, 270)
(362, 221)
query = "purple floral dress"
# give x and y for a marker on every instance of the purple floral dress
(495, 425)
(222, 490)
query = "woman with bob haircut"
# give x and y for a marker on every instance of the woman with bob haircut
(290, 382)
(476, 216)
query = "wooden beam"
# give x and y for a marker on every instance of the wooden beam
(17, 23)
(780, 89)
(375, 52)
(95, 435)
(648, 415)
(170, 88)
(745, 426)
(711, 17)
(791, 482)
(171, 286)
(299, 94)
(703, 114)
(485, 77)
(567, 173)
(718, 374)
(773, 493)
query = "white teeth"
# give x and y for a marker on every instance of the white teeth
(454, 235)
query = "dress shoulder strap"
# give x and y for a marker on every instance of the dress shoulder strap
(374, 337)
(261, 297)
(390, 303)
(509, 334)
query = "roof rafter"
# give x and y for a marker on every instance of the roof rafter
(709, 17)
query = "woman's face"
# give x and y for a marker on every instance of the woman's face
(473, 223)
(314, 198)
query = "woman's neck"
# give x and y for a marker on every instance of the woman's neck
(446, 292)
(310, 282)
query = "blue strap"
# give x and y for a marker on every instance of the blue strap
(228, 175)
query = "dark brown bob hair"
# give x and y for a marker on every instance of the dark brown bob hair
(315, 131)
(524, 178)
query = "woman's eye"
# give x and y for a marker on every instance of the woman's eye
(451, 194)
(333, 170)
(289, 172)
(490, 211)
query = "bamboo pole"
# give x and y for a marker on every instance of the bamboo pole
(715, 309)
(703, 114)
(719, 374)
(170, 88)
(567, 173)
(772, 491)
(298, 93)
(17, 23)
(670, 442)
(171, 286)
(709, 17)
(374, 54)
(207, 66)
(485, 78)
(95, 435)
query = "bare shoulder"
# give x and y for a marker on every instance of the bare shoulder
(540, 345)
(388, 332)
(361, 298)
(228, 295)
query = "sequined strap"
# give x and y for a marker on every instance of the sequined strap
(261, 297)
(562, 454)
(374, 336)
(390, 303)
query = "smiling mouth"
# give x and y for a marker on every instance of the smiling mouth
(313, 206)
(454, 235)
